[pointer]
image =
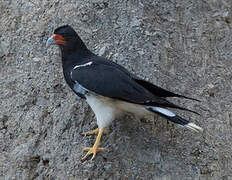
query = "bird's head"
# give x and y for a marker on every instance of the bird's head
(66, 38)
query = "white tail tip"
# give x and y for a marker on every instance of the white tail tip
(194, 127)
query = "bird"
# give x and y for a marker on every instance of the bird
(109, 88)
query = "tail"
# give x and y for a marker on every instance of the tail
(169, 115)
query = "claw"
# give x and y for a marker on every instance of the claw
(92, 150)
(95, 131)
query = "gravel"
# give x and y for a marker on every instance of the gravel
(184, 46)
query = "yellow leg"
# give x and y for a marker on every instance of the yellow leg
(95, 131)
(93, 150)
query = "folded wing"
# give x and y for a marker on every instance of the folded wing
(106, 80)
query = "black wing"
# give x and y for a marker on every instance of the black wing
(155, 90)
(109, 81)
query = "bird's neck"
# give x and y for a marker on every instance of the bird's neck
(73, 58)
(71, 48)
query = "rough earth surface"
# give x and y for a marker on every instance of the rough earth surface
(182, 45)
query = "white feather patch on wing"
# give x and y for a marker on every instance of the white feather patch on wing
(83, 65)
(163, 111)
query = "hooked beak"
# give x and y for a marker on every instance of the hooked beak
(56, 39)
(50, 41)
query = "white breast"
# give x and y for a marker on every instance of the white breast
(103, 109)
(106, 109)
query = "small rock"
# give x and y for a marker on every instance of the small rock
(102, 51)
(135, 22)
(108, 167)
(141, 52)
(4, 48)
(205, 170)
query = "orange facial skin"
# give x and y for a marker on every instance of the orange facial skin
(59, 39)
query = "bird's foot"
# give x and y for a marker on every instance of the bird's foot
(92, 150)
(93, 132)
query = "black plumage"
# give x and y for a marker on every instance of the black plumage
(110, 88)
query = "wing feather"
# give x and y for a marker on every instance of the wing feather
(155, 90)
(106, 80)
(110, 82)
